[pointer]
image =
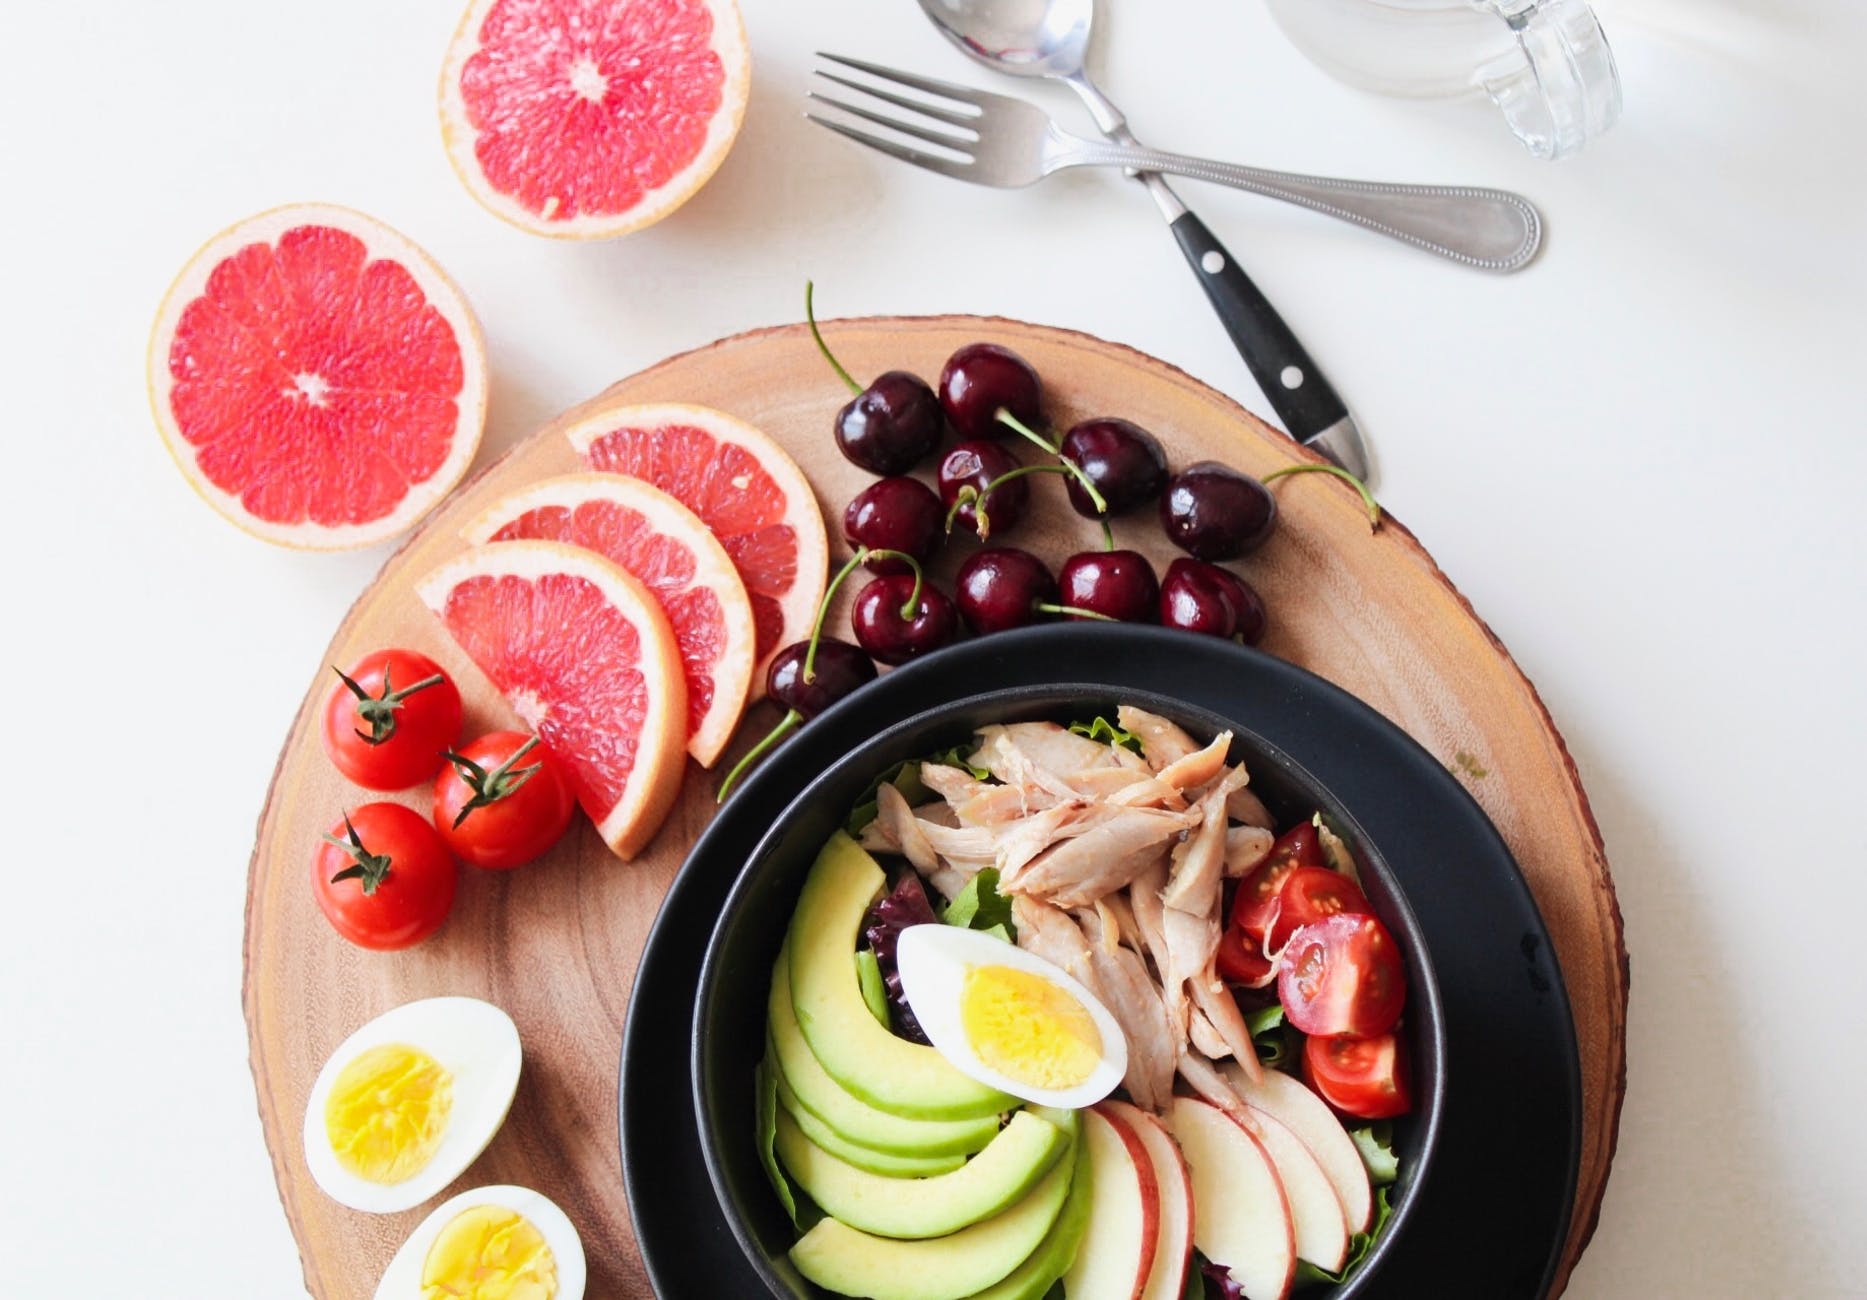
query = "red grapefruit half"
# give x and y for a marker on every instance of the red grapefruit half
(317, 377)
(744, 486)
(586, 658)
(584, 119)
(664, 544)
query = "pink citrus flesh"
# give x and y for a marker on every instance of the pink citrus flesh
(585, 657)
(317, 378)
(666, 546)
(744, 486)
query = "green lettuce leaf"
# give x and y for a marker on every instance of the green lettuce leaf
(1376, 1143)
(874, 991)
(1277, 1041)
(979, 906)
(1101, 729)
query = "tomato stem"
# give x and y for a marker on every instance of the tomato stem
(370, 868)
(1367, 497)
(379, 710)
(491, 787)
(810, 315)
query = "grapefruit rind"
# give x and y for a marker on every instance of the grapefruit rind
(732, 671)
(799, 605)
(440, 292)
(654, 781)
(457, 133)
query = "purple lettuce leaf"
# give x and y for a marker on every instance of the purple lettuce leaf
(904, 905)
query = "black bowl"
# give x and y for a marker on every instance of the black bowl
(729, 1022)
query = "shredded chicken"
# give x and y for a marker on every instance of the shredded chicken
(1212, 998)
(1244, 806)
(1245, 848)
(1210, 1084)
(1196, 769)
(1162, 742)
(897, 822)
(1109, 848)
(1052, 935)
(1199, 863)
(1135, 1004)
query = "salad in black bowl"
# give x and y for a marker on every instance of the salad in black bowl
(1057, 991)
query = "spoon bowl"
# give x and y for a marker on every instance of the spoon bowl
(1026, 38)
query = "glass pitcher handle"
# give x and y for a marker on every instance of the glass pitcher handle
(1557, 83)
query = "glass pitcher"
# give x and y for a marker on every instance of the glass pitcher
(1545, 63)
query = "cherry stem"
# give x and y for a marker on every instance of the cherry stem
(1108, 535)
(1069, 466)
(914, 597)
(810, 315)
(823, 609)
(758, 751)
(1044, 607)
(1367, 497)
(966, 496)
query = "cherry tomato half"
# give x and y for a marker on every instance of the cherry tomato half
(1363, 1077)
(1311, 894)
(1254, 907)
(1342, 975)
(383, 878)
(502, 801)
(390, 718)
(1242, 961)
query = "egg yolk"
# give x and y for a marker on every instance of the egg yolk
(387, 1111)
(1027, 1028)
(489, 1253)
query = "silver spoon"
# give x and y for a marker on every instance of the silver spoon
(1050, 38)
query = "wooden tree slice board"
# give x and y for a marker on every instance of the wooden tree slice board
(556, 944)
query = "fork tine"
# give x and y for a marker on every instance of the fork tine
(919, 132)
(902, 101)
(946, 89)
(933, 163)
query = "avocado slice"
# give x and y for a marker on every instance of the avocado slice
(842, 1259)
(887, 1072)
(1033, 1279)
(876, 1162)
(854, 1120)
(997, 1177)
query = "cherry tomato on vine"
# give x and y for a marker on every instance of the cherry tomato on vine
(1342, 976)
(502, 801)
(1363, 1077)
(383, 877)
(390, 718)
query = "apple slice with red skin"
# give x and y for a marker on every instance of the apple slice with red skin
(1289, 1101)
(1241, 1217)
(1316, 1214)
(1173, 1244)
(1124, 1217)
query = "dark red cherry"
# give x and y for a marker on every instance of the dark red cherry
(1201, 597)
(1115, 584)
(981, 379)
(895, 514)
(1247, 605)
(1124, 461)
(888, 628)
(976, 465)
(890, 426)
(1213, 512)
(839, 669)
(1002, 587)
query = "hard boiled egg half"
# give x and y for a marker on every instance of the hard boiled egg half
(1010, 1019)
(493, 1243)
(408, 1101)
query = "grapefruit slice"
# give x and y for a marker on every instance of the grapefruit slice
(663, 543)
(585, 119)
(746, 489)
(586, 658)
(317, 378)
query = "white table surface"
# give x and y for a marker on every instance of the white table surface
(1642, 460)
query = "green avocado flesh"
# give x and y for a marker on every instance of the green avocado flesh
(1033, 1279)
(876, 1162)
(855, 1263)
(854, 1120)
(887, 1072)
(997, 1177)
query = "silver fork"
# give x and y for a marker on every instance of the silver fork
(999, 140)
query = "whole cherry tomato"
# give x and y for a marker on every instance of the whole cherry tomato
(383, 877)
(502, 800)
(390, 718)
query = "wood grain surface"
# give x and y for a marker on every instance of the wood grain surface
(556, 944)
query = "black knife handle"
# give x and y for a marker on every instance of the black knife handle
(1293, 384)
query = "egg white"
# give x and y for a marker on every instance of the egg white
(402, 1279)
(933, 960)
(476, 1043)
